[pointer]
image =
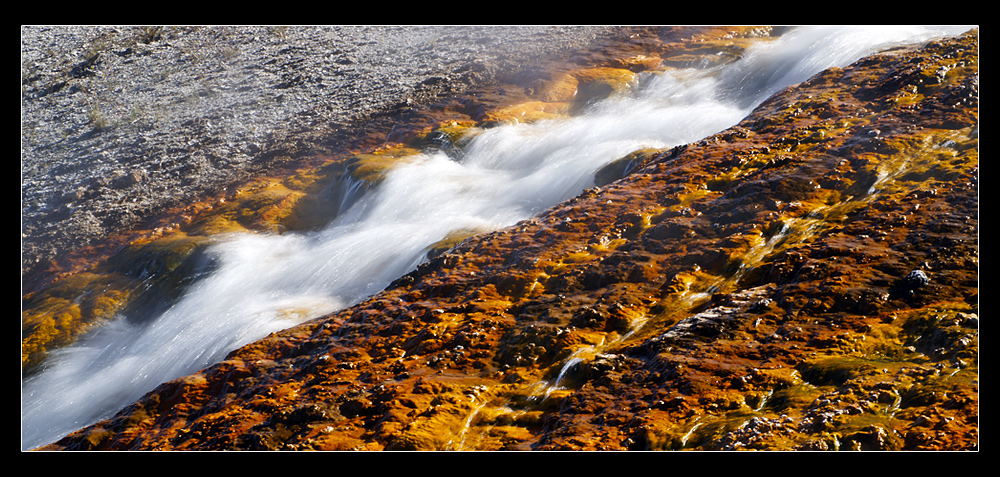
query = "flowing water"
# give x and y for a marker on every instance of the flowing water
(263, 283)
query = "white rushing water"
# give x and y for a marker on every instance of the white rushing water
(264, 283)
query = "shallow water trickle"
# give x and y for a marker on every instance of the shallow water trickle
(264, 283)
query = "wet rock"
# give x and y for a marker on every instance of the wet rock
(915, 280)
(600, 83)
(910, 284)
(621, 167)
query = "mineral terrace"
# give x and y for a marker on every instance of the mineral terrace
(805, 280)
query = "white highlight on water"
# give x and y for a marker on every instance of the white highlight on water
(264, 283)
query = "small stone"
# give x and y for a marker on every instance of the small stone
(916, 279)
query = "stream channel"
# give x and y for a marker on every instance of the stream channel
(261, 283)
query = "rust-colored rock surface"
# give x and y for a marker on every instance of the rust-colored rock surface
(805, 280)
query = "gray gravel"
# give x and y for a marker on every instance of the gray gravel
(119, 122)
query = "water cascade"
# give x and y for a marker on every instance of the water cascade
(263, 283)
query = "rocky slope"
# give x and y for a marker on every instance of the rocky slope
(807, 279)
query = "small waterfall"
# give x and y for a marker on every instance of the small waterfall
(694, 427)
(264, 283)
(466, 425)
(544, 389)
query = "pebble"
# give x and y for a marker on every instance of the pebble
(916, 279)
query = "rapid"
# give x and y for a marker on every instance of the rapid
(261, 283)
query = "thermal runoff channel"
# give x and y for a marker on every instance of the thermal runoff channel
(262, 283)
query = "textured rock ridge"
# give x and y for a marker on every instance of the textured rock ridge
(805, 280)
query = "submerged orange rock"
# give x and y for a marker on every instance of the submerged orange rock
(804, 280)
